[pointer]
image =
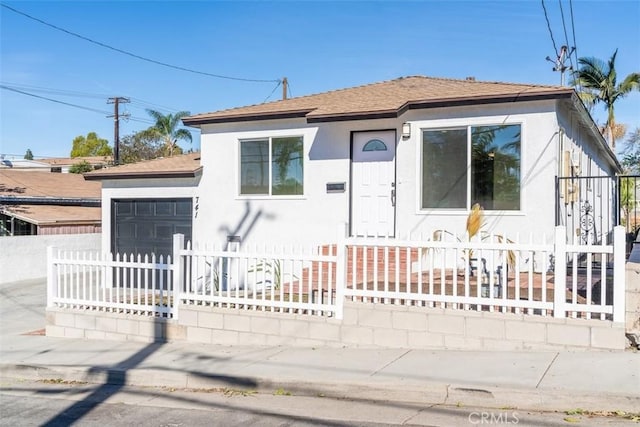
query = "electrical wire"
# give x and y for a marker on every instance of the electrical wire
(549, 27)
(142, 58)
(54, 100)
(573, 31)
(147, 104)
(274, 89)
(94, 110)
(52, 91)
(63, 92)
(566, 38)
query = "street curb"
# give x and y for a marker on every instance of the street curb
(398, 392)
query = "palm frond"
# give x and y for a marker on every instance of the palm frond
(630, 83)
(183, 134)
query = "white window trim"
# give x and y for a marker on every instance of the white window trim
(458, 124)
(268, 136)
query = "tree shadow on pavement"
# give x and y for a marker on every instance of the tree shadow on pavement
(116, 380)
(418, 413)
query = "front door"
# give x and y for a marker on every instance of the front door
(373, 169)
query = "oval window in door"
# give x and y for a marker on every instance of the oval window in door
(374, 145)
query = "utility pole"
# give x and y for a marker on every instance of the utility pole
(116, 101)
(285, 87)
(560, 62)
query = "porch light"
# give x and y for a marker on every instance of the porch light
(406, 130)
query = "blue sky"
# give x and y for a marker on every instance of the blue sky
(318, 46)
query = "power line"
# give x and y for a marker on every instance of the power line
(103, 112)
(563, 53)
(555, 49)
(274, 89)
(147, 104)
(70, 93)
(566, 38)
(54, 100)
(573, 30)
(124, 52)
(134, 119)
(54, 91)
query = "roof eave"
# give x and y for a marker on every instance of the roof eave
(145, 174)
(45, 221)
(441, 103)
(382, 114)
(484, 99)
(366, 115)
(196, 121)
(593, 128)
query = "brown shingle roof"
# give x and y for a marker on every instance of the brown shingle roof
(52, 192)
(68, 161)
(46, 184)
(183, 166)
(48, 214)
(385, 99)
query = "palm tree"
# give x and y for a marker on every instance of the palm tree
(599, 82)
(166, 129)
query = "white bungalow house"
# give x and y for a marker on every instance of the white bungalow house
(400, 158)
(395, 158)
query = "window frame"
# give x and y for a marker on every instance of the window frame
(269, 195)
(467, 126)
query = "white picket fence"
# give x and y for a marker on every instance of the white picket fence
(497, 273)
(110, 283)
(261, 278)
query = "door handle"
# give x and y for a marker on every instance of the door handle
(393, 197)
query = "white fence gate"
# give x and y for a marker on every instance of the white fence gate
(495, 274)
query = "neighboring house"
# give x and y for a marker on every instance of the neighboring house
(63, 164)
(37, 203)
(145, 203)
(9, 162)
(398, 158)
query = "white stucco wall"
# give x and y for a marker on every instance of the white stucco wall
(588, 158)
(312, 217)
(25, 257)
(538, 141)
(315, 217)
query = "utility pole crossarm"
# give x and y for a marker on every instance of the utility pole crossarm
(562, 57)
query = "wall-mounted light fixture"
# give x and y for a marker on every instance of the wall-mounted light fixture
(406, 130)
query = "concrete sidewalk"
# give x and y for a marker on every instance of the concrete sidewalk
(523, 380)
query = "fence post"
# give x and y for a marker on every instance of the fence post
(178, 271)
(52, 277)
(341, 270)
(619, 249)
(560, 273)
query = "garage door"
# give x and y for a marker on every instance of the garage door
(146, 226)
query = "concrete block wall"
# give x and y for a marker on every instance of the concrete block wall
(632, 296)
(111, 326)
(364, 325)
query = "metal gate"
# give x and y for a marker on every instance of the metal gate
(590, 206)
